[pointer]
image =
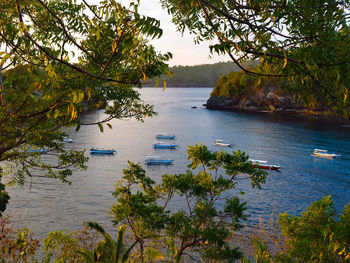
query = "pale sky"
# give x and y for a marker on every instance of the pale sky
(184, 51)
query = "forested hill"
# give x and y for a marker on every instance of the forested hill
(196, 76)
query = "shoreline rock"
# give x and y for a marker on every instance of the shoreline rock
(269, 102)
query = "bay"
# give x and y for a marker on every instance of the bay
(288, 141)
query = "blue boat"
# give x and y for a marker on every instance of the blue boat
(155, 160)
(68, 140)
(31, 150)
(101, 151)
(158, 145)
(165, 136)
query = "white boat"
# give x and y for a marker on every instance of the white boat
(165, 136)
(219, 142)
(264, 165)
(325, 153)
(155, 160)
(68, 140)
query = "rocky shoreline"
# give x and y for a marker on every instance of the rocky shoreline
(269, 102)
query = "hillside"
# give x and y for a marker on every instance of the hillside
(238, 91)
(196, 76)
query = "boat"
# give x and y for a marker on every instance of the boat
(68, 140)
(219, 142)
(264, 165)
(94, 150)
(325, 153)
(165, 136)
(41, 150)
(155, 160)
(159, 145)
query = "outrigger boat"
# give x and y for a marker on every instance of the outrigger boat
(219, 142)
(68, 140)
(155, 160)
(101, 151)
(165, 136)
(41, 150)
(325, 153)
(264, 165)
(159, 145)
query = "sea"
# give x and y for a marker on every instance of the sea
(46, 204)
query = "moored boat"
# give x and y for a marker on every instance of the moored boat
(68, 140)
(159, 145)
(165, 136)
(325, 153)
(219, 142)
(41, 150)
(155, 160)
(264, 165)
(94, 150)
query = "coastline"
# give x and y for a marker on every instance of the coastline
(229, 104)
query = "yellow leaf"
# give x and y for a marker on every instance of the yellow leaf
(89, 95)
(345, 95)
(157, 82)
(81, 96)
(3, 60)
(285, 63)
(341, 252)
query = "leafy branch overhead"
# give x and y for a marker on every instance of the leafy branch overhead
(60, 60)
(306, 42)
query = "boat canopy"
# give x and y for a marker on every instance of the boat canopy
(257, 161)
(320, 151)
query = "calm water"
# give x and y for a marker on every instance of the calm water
(51, 205)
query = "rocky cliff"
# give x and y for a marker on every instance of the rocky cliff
(262, 101)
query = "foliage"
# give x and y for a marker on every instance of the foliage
(305, 41)
(4, 197)
(202, 230)
(320, 234)
(239, 85)
(60, 60)
(17, 246)
(108, 250)
(234, 84)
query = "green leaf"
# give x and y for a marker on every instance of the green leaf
(78, 126)
(101, 127)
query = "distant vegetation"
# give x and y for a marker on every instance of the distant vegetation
(244, 87)
(196, 76)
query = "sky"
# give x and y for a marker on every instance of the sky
(184, 51)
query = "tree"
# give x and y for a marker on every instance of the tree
(202, 228)
(60, 60)
(320, 234)
(306, 42)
